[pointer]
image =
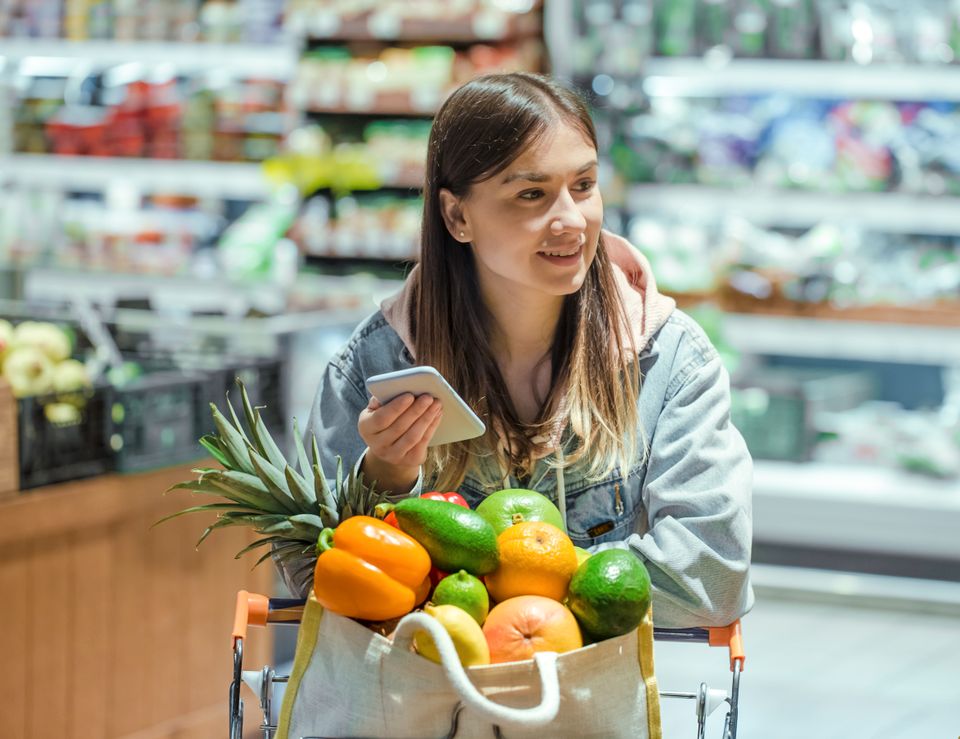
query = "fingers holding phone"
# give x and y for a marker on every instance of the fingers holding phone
(399, 431)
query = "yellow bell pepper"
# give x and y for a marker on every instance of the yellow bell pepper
(369, 570)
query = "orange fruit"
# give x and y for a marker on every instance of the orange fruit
(536, 558)
(519, 627)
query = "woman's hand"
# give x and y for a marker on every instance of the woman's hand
(397, 435)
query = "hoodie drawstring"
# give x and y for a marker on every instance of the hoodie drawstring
(561, 488)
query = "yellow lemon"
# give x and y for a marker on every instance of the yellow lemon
(467, 636)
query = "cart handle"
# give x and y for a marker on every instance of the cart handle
(716, 636)
(259, 610)
(252, 610)
(732, 638)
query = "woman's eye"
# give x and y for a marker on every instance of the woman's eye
(586, 185)
(531, 194)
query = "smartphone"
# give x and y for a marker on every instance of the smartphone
(459, 422)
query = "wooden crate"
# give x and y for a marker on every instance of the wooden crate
(9, 448)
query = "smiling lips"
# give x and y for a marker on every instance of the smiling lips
(565, 250)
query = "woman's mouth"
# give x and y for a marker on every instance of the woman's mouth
(564, 255)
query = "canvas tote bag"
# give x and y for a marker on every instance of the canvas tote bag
(348, 681)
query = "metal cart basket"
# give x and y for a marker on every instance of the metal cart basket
(258, 610)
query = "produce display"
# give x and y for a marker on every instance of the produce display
(516, 584)
(35, 360)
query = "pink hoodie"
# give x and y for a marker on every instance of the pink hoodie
(646, 308)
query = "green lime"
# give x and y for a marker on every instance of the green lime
(609, 593)
(465, 591)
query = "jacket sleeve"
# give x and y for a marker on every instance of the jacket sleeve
(697, 493)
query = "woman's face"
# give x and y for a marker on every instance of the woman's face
(535, 226)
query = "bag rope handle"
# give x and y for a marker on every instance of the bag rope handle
(472, 698)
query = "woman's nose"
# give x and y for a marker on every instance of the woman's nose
(567, 215)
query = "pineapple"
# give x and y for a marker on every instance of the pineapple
(287, 508)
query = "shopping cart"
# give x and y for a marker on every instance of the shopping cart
(258, 610)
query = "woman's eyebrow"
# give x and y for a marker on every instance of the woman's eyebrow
(540, 176)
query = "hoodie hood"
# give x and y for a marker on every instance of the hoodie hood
(645, 307)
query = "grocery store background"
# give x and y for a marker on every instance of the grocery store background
(196, 189)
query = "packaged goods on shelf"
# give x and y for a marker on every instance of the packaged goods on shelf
(369, 227)
(123, 112)
(871, 31)
(396, 80)
(465, 20)
(339, 154)
(831, 270)
(779, 142)
(160, 236)
(215, 21)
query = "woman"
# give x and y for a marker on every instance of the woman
(596, 391)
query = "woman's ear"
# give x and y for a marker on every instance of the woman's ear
(453, 216)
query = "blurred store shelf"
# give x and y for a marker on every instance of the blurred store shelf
(248, 60)
(685, 77)
(166, 293)
(852, 340)
(349, 299)
(888, 212)
(238, 180)
(856, 508)
(489, 25)
(422, 102)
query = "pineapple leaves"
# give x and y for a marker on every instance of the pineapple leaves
(218, 524)
(303, 462)
(208, 507)
(299, 489)
(243, 488)
(287, 503)
(325, 498)
(212, 445)
(233, 441)
(262, 440)
(259, 543)
(274, 481)
(208, 486)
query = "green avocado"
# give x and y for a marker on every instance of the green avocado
(609, 593)
(455, 537)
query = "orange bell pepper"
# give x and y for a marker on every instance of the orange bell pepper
(369, 570)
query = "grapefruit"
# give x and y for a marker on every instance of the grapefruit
(505, 508)
(519, 627)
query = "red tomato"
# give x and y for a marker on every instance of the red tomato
(450, 497)
(436, 576)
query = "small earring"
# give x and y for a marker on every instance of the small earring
(461, 234)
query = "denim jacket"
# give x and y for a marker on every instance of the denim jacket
(684, 509)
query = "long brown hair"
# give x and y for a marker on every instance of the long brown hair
(481, 128)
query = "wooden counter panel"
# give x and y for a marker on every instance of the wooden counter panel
(110, 628)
